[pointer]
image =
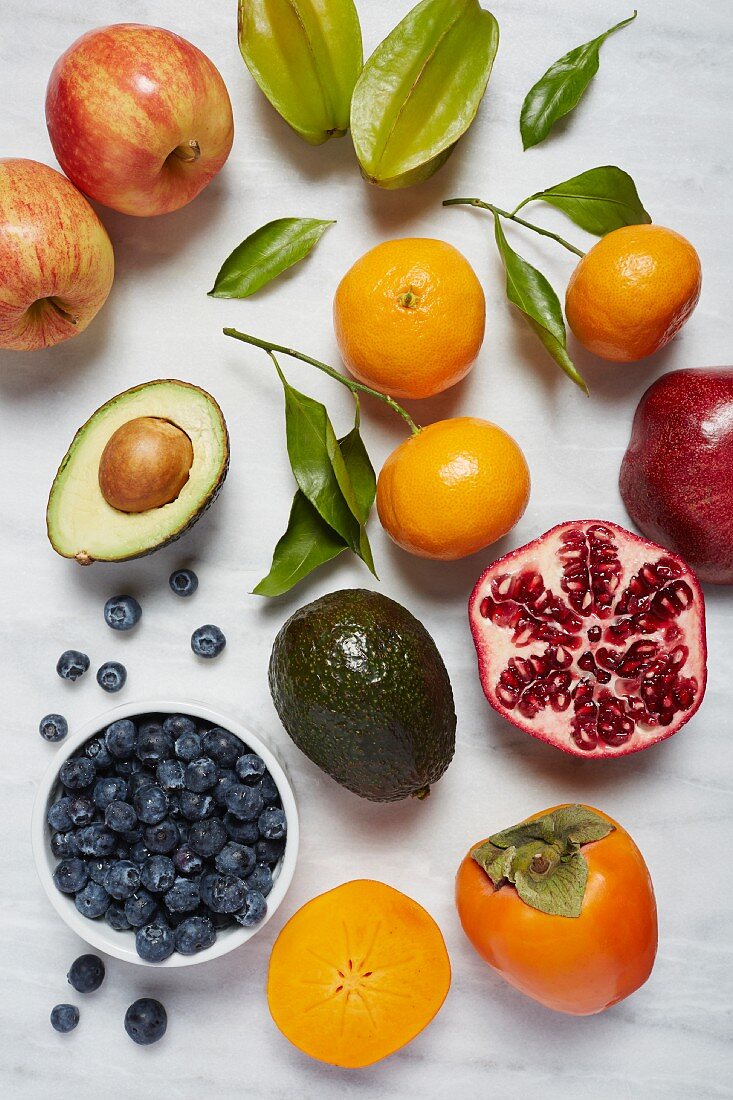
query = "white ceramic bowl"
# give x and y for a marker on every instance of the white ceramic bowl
(97, 932)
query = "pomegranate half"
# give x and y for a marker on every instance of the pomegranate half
(591, 639)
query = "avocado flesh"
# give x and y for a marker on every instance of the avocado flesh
(82, 525)
(362, 690)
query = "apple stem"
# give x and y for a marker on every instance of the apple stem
(188, 152)
(62, 312)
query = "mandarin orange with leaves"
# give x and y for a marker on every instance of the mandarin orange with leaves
(409, 317)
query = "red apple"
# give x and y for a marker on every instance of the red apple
(139, 119)
(677, 474)
(56, 260)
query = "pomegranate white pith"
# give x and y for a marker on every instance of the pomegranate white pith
(591, 638)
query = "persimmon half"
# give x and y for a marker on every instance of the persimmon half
(357, 973)
(593, 940)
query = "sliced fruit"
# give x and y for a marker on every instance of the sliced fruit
(591, 639)
(357, 973)
(131, 453)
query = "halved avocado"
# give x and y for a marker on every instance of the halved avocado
(83, 525)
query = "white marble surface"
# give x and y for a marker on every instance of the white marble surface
(659, 109)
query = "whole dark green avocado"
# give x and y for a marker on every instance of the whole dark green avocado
(362, 690)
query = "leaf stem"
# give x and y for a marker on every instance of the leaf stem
(355, 387)
(513, 218)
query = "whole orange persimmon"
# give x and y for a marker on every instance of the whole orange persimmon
(562, 907)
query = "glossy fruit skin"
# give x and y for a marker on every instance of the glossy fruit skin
(577, 965)
(452, 489)
(633, 291)
(409, 317)
(52, 246)
(121, 100)
(676, 476)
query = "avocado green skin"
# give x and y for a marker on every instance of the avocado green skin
(362, 690)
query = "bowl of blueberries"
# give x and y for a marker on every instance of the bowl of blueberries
(165, 834)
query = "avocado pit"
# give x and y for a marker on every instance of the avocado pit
(145, 464)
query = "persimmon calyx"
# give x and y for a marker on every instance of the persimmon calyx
(543, 860)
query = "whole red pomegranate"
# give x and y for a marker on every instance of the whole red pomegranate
(677, 474)
(591, 639)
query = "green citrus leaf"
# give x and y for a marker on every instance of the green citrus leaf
(265, 254)
(305, 55)
(307, 543)
(361, 472)
(560, 89)
(420, 90)
(528, 289)
(599, 200)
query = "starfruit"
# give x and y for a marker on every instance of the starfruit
(420, 90)
(305, 55)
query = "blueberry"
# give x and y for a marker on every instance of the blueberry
(194, 934)
(235, 859)
(120, 738)
(70, 876)
(122, 612)
(92, 901)
(196, 807)
(95, 840)
(244, 802)
(269, 851)
(153, 744)
(183, 896)
(108, 790)
(177, 725)
(183, 582)
(97, 751)
(208, 641)
(146, 1021)
(64, 1018)
(158, 874)
(115, 917)
(53, 728)
(86, 973)
(77, 774)
(81, 809)
(58, 815)
(250, 768)
(226, 779)
(268, 790)
(139, 853)
(187, 861)
(154, 943)
(120, 817)
(201, 774)
(111, 676)
(272, 823)
(143, 778)
(260, 879)
(162, 837)
(63, 845)
(98, 868)
(223, 893)
(72, 664)
(245, 832)
(122, 880)
(171, 775)
(253, 910)
(140, 908)
(151, 804)
(188, 746)
(207, 837)
(222, 746)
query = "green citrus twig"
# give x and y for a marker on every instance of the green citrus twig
(513, 218)
(355, 387)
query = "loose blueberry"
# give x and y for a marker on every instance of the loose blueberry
(53, 728)
(272, 823)
(244, 802)
(183, 582)
(222, 893)
(269, 851)
(250, 768)
(77, 774)
(122, 612)
(70, 876)
(146, 1021)
(253, 910)
(208, 641)
(63, 845)
(158, 874)
(122, 880)
(116, 919)
(244, 832)
(183, 896)
(235, 859)
(260, 879)
(86, 973)
(64, 1018)
(154, 943)
(111, 676)
(201, 774)
(186, 860)
(194, 934)
(196, 807)
(207, 837)
(171, 775)
(92, 901)
(222, 745)
(95, 840)
(58, 815)
(151, 804)
(120, 817)
(153, 744)
(268, 790)
(72, 664)
(120, 738)
(97, 751)
(162, 837)
(140, 908)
